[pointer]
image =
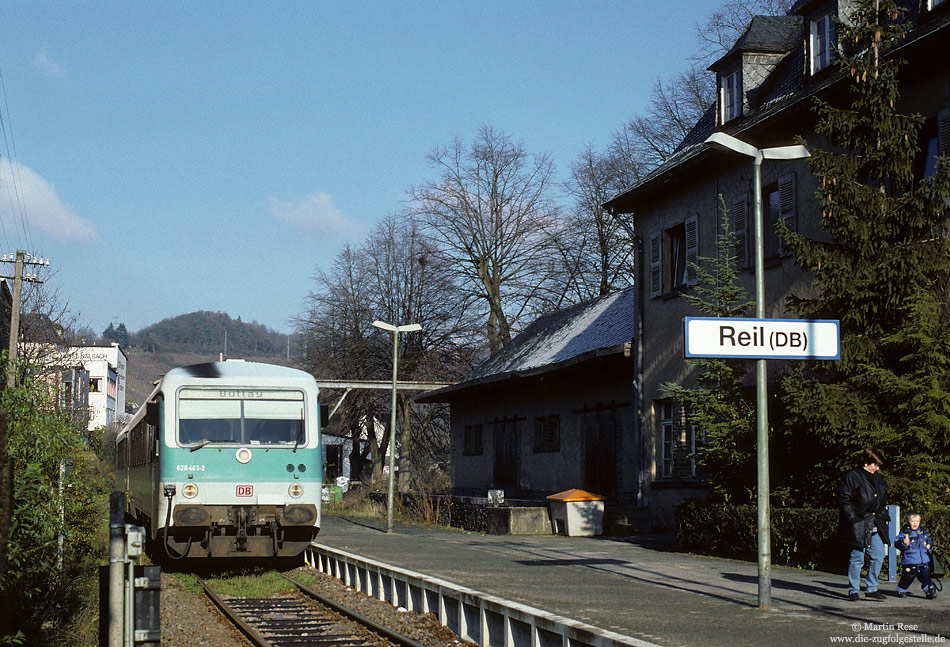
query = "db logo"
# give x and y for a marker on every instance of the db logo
(245, 490)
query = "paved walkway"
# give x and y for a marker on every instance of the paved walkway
(638, 587)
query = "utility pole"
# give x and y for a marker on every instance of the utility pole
(20, 259)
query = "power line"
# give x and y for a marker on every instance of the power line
(16, 181)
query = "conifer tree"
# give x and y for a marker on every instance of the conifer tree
(717, 406)
(880, 273)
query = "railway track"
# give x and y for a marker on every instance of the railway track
(302, 619)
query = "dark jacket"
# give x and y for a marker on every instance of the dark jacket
(918, 551)
(862, 503)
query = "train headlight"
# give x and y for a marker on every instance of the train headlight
(190, 490)
(296, 490)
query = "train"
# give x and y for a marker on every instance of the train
(224, 461)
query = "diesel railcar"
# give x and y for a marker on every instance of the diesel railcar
(224, 460)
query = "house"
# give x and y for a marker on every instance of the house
(339, 458)
(43, 350)
(94, 375)
(767, 84)
(554, 409)
(107, 367)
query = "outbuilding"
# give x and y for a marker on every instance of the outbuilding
(555, 409)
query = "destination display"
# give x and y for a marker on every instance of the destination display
(761, 338)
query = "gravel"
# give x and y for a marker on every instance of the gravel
(191, 620)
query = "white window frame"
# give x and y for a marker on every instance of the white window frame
(730, 94)
(685, 237)
(821, 42)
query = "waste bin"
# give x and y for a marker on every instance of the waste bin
(577, 513)
(332, 494)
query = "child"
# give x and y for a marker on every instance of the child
(915, 546)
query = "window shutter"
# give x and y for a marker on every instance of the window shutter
(656, 275)
(787, 199)
(692, 249)
(943, 132)
(740, 229)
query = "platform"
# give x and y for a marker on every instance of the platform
(638, 587)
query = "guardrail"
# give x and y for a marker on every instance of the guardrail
(480, 618)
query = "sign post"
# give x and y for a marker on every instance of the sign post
(761, 338)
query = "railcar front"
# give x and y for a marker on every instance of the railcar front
(240, 469)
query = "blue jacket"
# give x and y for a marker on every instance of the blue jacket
(917, 552)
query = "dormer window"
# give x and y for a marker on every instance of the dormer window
(730, 93)
(821, 42)
(933, 3)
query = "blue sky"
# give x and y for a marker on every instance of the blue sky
(178, 156)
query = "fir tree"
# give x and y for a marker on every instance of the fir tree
(880, 274)
(717, 406)
(122, 335)
(109, 333)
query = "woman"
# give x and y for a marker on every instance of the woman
(863, 523)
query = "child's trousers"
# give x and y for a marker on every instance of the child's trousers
(911, 572)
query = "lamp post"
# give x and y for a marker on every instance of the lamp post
(395, 330)
(730, 143)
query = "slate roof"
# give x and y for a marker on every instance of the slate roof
(765, 34)
(785, 87)
(557, 340)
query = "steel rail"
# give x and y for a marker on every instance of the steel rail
(383, 632)
(252, 634)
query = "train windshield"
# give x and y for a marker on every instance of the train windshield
(245, 416)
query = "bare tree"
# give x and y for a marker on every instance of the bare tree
(337, 332)
(592, 251)
(411, 284)
(395, 277)
(647, 141)
(725, 25)
(486, 215)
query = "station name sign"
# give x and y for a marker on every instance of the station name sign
(761, 338)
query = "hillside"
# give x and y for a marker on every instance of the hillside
(210, 332)
(195, 338)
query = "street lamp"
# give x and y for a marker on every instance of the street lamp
(730, 143)
(395, 330)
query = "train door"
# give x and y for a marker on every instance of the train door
(506, 454)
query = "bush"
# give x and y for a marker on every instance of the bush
(802, 537)
(59, 490)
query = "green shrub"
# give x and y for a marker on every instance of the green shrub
(58, 531)
(802, 537)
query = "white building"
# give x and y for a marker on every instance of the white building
(107, 381)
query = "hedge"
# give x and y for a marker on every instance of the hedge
(802, 537)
